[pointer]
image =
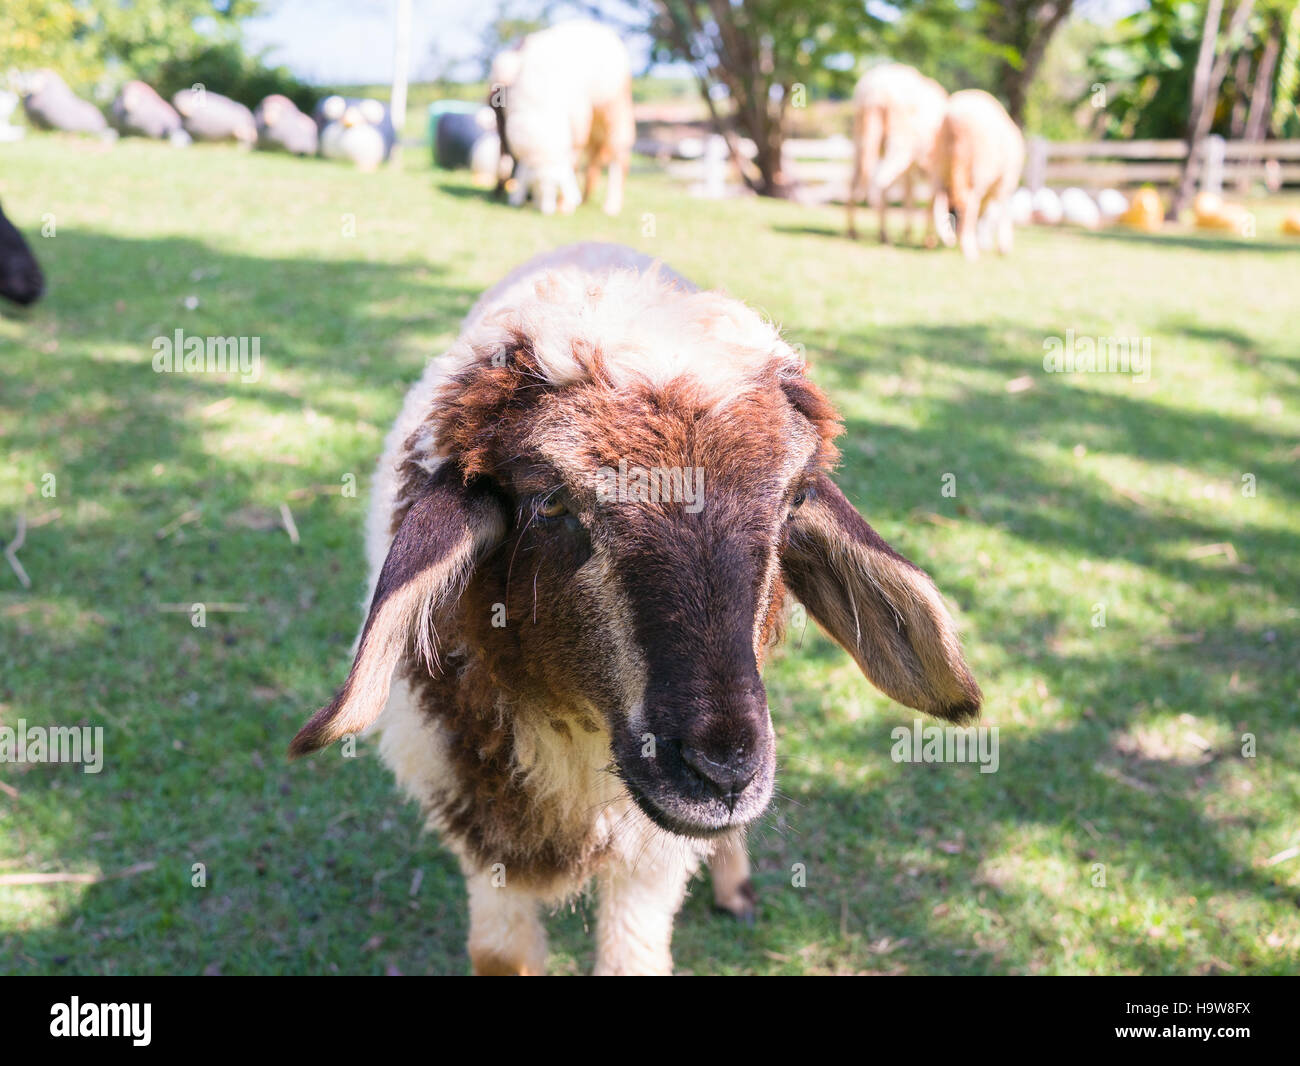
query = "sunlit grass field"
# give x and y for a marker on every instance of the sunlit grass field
(1123, 557)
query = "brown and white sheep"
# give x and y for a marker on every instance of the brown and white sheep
(897, 112)
(570, 99)
(978, 158)
(566, 677)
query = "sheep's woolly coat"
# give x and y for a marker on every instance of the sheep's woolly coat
(570, 96)
(584, 310)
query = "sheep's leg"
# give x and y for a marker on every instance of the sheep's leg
(909, 204)
(506, 936)
(634, 918)
(618, 168)
(968, 219)
(733, 891)
(886, 174)
(939, 216)
(1005, 225)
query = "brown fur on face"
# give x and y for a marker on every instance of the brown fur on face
(575, 638)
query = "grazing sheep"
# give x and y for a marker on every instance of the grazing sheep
(897, 112)
(978, 157)
(21, 279)
(581, 534)
(571, 99)
(51, 105)
(209, 116)
(281, 127)
(139, 110)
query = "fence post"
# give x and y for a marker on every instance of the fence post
(1213, 152)
(1036, 164)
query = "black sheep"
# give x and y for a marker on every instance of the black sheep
(21, 279)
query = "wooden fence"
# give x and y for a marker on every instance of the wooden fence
(1098, 164)
(821, 167)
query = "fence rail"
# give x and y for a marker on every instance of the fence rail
(1103, 163)
(824, 163)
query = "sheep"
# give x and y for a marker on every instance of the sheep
(138, 109)
(51, 105)
(570, 98)
(209, 116)
(281, 127)
(978, 158)
(896, 116)
(580, 539)
(21, 279)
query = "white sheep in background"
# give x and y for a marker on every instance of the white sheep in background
(570, 100)
(897, 112)
(581, 534)
(978, 158)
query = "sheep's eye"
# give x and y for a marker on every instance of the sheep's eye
(552, 507)
(798, 500)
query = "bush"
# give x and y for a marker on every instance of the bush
(225, 67)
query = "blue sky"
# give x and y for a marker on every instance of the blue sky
(351, 41)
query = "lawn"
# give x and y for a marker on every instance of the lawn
(1129, 827)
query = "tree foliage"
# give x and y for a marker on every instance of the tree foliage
(95, 44)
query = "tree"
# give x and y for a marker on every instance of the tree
(758, 59)
(86, 39)
(1025, 28)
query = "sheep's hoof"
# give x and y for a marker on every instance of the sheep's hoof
(741, 903)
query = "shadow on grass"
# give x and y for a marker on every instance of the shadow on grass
(313, 868)
(1190, 241)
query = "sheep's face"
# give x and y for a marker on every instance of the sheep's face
(639, 582)
(614, 548)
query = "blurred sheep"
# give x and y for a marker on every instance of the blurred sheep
(139, 111)
(21, 279)
(978, 158)
(209, 116)
(571, 99)
(897, 112)
(282, 127)
(51, 105)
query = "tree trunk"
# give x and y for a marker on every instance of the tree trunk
(1203, 108)
(1240, 77)
(1261, 98)
(1029, 28)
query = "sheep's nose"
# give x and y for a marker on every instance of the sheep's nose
(729, 778)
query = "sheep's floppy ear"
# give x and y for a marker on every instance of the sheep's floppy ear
(446, 531)
(885, 611)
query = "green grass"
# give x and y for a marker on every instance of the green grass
(1120, 745)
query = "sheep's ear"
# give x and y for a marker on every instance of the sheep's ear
(885, 611)
(446, 531)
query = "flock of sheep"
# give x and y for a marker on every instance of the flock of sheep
(357, 130)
